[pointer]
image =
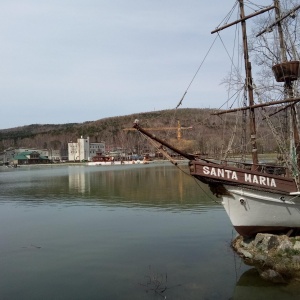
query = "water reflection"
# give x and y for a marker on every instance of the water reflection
(163, 186)
(79, 181)
(250, 286)
(77, 232)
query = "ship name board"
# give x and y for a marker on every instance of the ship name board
(240, 177)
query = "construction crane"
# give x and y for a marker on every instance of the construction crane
(178, 128)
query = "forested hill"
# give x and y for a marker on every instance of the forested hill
(208, 134)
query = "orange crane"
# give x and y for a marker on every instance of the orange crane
(178, 128)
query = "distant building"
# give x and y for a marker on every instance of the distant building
(84, 150)
(29, 158)
(8, 155)
(54, 155)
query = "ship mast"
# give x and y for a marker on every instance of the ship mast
(280, 32)
(288, 87)
(248, 70)
(249, 86)
(280, 76)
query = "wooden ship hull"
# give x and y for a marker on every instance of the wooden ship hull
(254, 201)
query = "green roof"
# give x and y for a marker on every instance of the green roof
(22, 156)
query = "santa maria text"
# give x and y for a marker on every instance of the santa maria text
(239, 177)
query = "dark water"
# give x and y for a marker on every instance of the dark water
(118, 232)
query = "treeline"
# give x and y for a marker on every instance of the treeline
(209, 134)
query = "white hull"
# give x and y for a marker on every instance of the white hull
(252, 211)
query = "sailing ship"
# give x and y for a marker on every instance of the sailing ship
(257, 197)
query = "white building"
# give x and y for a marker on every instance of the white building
(84, 150)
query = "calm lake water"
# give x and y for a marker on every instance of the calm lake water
(119, 232)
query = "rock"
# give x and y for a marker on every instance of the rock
(296, 259)
(273, 242)
(246, 254)
(265, 242)
(261, 258)
(276, 257)
(297, 245)
(247, 243)
(285, 244)
(272, 276)
(258, 241)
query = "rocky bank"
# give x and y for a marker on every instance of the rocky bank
(276, 257)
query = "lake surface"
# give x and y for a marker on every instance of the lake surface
(119, 232)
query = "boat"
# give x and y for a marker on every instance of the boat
(257, 197)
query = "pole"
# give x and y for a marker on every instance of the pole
(249, 87)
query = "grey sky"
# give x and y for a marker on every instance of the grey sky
(73, 61)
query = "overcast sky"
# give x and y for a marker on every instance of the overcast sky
(68, 61)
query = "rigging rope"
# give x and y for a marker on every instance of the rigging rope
(180, 102)
(230, 86)
(236, 69)
(228, 16)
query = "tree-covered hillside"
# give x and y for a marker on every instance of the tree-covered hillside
(209, 134)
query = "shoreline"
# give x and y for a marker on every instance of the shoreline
(179, 162)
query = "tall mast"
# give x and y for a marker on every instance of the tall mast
(288, 82)
(280, 32)
(249, 86)
(288, 86)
